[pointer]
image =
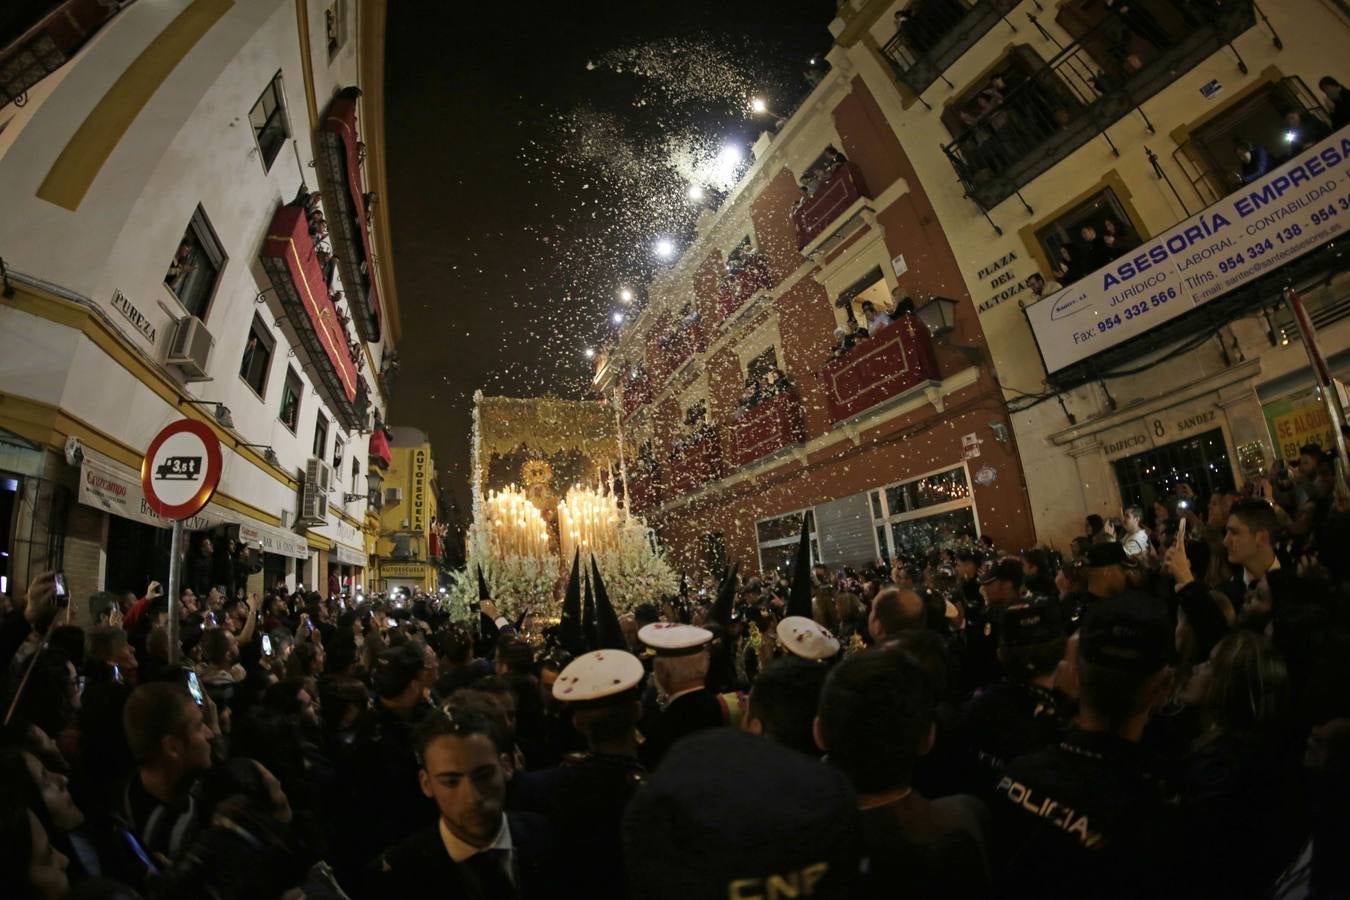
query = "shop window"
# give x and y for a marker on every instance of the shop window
(194, 270)
(270, 126)
(257, 358)
(778, 538)
(1153, 476)
(1279, 119)
(933, 511)
(335, 26)
(290, 400)
(320, 449)
(1087, 237)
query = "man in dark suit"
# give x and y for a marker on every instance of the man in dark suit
(476, 851)
(681, 670)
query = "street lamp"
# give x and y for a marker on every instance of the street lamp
(758, 106)
(696, 192)
(268, 453)
(939, 314)
(625, 296)
(665, 248)
(590, 352)
(618, 318)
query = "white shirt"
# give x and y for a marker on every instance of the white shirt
(1136, 544)
(460, 851)
(1250, 581)
(877, 322)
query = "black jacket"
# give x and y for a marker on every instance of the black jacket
(421, 864)
(685, 715)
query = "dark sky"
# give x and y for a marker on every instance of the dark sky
(531, 156)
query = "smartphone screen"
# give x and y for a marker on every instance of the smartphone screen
(267, 645)
(59, 580)
(309, 623)
(195, 687)
(117, 674)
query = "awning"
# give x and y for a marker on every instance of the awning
(293, 267)
(339, 166)
(379, 449)
(116, 489)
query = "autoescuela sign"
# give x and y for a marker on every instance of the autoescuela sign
(419, 490)
(1293, 210)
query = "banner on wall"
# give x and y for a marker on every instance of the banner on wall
(1293, 210)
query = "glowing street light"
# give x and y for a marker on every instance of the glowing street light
(665, 248)
(625, 296)
(590, 353)
(618, 318)
(696, 192)
(758, 106)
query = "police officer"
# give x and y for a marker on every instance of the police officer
(1023, 712)
(680, 670)
(584, 797)
(807, 639)
(999, 586)
(1079, 817)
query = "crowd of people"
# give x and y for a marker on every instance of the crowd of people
(1163, 710)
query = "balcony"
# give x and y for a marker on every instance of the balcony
(897, 360)
(643, 489)
(1015, 133)
(740, 286)
(766, 428)
(637, 391)
(291, 262)
(835, 196)
(380, 454)
(681, 341)
(694, 461)
(338, 163)
(47, 45)
(935, 34)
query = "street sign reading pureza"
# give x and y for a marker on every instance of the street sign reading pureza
(181, 469)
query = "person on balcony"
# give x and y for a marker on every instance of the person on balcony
(1117, 241)
(1338, 100)
(876, 319)
(1041, 288)
(1300, 133)
(1255, 161)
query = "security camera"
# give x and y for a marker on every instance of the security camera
(74, 451)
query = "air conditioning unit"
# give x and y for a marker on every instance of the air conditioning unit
(393, 495)
(190, 348)
(314, 493)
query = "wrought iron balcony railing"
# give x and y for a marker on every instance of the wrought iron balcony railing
(933, 34)
(1016, 131)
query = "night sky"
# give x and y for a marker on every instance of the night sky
(534, 155)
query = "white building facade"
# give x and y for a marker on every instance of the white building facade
(150, 177)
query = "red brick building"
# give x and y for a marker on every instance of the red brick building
(899, 442)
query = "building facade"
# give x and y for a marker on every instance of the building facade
(742, 411)
(409, 552)
(1096, 149)
(194, 229)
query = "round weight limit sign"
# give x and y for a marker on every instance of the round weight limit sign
(181, 469)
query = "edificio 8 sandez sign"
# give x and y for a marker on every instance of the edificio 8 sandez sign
(1296, 208)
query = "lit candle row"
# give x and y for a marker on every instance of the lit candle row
(515, 525)
(588, 520)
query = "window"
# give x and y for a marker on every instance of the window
(871, 288)
(356, 473)
(194, 270)
(1200, 461)
(320, 437)
(1087, 237)
(335, 26)
(762, 365)
(1280, 119)
(778, 539)
(290, 400)
(339, 451)
(257, 356)
(934, 511)
(268, 118)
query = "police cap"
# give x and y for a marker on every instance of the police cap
(1036, 622)
(1129, 631)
